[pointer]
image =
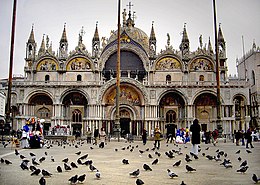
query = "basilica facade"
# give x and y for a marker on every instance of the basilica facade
(172, 87)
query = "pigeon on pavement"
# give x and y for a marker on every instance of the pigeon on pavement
(147, 167)
(135, 173)
(189, 168)
(42, 181)
(255, 178)
(171, 174)
(139, 182)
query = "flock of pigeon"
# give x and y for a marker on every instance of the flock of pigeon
(32, 163)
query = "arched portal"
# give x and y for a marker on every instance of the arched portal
(74, 111)
(205, 110)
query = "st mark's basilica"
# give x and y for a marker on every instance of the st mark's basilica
(166, 88)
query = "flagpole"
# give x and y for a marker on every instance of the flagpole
(217, 65)
(8, 104)
(117, 118)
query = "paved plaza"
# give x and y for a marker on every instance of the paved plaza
(113, 172)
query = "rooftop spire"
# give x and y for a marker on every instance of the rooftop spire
(220, 34)
(185, 35)
(64, 34)
(96, 35)
(42, 48)
(152, 35)
(130, 21)
(210, 46)
(31, 37)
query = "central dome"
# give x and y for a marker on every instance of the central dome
(134, 33)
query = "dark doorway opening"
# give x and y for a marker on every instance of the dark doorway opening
(204, 127)
(125, 126)
(46, 127)
(76, 129)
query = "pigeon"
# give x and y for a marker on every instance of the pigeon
(249, 151)
(92, 168)
(42, 159)
(98, 175)
(32, 154)
(34, 162)
(255, 178)
(65, 160)
(24, 166)
(139, 182)
(243, 169)
(125, 161)
(42, 181)
(84, 157)
(182, 183)
(238, 152)
(155, 161)
(187, 160)
(46, 173)
(16, 152)
(81, 178)
(239, 159)
(73, 165)
(2, 160)
(32, 168)
(135, 173)
(59, 169)
(150, 156)
(207, 148)
(67, 167)
(52, 159)
(46, 153)
(244, 163)
(177, 163)
(79, 161)
(78, 153)
(189, 168)
(22, 156)
(73, 179)
(141, 151)
(88, 162)
(147, 167)
(171, 174)
(7, 162)
(36, 172)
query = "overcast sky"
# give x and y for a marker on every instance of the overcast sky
(237, 18)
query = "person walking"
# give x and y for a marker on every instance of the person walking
(248, 137)
(215, 136)
(157, 138)
(195, 136)
(144, 136)
(102, 137)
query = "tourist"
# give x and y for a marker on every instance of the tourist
(157, 138)
(144, 136)
(102, 137)
(195, 136)
(238, 136)
(248, 137)
(89, 135)
(96, 134)
(215, 137)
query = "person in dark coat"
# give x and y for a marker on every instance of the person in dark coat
(249, 138)
(144, 136)
(195, 137)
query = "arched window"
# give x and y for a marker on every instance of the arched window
(47, 78)
(79, 78)
(171, 116)
(168, 79)
(76, 116)
(201, 78)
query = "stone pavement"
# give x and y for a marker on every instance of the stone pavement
(113, 172)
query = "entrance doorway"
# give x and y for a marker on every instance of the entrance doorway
(204, 127)
(125, 126)
(76, 129)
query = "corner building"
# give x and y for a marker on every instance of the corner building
(171, 87)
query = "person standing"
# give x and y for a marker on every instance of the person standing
(248, 137)
(157, 138)
(195, 136)
(215, 137)
(89, 135)
(144, 136)
(102, 137)
(96, 133)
